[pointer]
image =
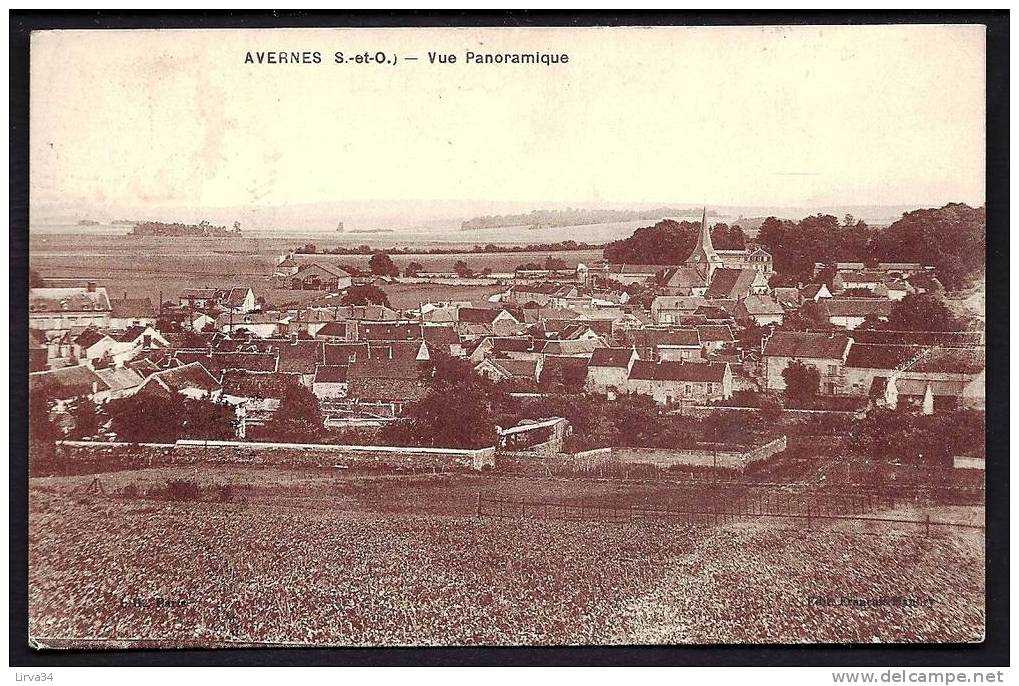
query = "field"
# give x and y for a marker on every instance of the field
(317, 557)
(154, 267)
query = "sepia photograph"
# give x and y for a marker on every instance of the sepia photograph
(489, 336)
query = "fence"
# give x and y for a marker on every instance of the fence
(809, 512)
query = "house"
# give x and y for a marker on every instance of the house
(851, 313)
(507, 370)
(714, 337)
(261, 324)
(345, 353)
(239, 300)
(191, 380)
(665, 344)
(825, 352)
(572, 348)
(388, 331)
(815, 292)
(330, 381)
(199, 321)
(301, 358)
(94, 347)
(60, 309)
(685, 281)
(66, 383)
(671, 382)
(444, 338)
(392, 376)
(127, 312)
(608, 369)
(627, 274)
(955, 377)
(560, 370)
(870, 280)
(542, 293)
(313, 276)
(119, 381)
(788, 298)
(143, 336)
(498, 320)
(236, 299)
(762, 309)
(736, 284)
(670, 309)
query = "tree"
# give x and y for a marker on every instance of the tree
(458, 410)
(86, 418)
(462, 270)
(555, 263)
(801, 383)
(382, 264)
(368, 294)
(165, 418)
(952, 238)
(919, 312)
(41, 427)
(298, 419)
(413, 269)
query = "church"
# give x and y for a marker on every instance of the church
(728, 274)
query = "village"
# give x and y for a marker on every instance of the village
(694, 337)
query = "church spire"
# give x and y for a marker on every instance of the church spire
(704, 252)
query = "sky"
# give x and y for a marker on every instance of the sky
(767, 116)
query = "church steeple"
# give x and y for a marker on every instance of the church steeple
(704, 255)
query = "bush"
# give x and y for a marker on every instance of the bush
(182, 490)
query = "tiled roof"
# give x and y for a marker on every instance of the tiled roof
(89, 337)
(68, 300)
(389, 332)
(682, 303)
(66, 383)
(331, 374)
(611, 357)
(370, 389)
(711, 333)
(808, 345)
(517, 368)
(193, 375)
(341, 353)
(761, 304)
(242, 384)
(857, 307)
(678, 371)
(300, 357)
(478, 315)
(946, 338)
(731, 283)
(440, 335)
(126, 308)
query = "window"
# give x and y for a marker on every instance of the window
(833, 369)
(711, 388)
(686, 390)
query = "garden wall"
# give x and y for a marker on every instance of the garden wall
(734, 457)
(361, 457)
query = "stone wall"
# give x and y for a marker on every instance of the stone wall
(734, 457)
(358, 457)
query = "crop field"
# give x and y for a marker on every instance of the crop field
(148, 267)
(311, 556)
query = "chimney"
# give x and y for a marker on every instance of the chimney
(125, 295)
(90, 287)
